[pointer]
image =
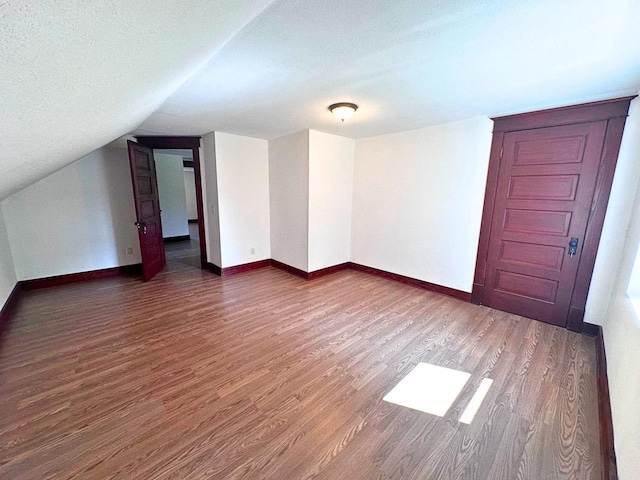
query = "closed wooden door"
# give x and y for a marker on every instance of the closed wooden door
(546, 186)
(145, 194)
(550, 175)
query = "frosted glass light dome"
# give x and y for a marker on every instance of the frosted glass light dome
(343, 111)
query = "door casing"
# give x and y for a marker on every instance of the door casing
(613, 111)
(185, 143)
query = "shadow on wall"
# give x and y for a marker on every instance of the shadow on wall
(120, 210)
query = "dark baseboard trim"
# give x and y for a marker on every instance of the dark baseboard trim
(193, 220)
(591, 329)
(214, 268)
(328, 271)
(288, 268)
(607, 446)
(575, 319)
(81, 277)
(476, 294)
(9, 306)
(179, 238)
(310, 275)
(432, 287)
(245, 267)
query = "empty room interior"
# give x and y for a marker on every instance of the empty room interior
(295, 239)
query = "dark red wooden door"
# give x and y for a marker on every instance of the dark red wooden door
(546, 185)
(145, 194)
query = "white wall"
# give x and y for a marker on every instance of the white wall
(616, 220)
(330, 199)
(621, 332)
(80, 218)
(171, 191)
(190, 191)
(417, 201)
(243, 198)
(289, 199)
(7, 271)
(610, 304)
(210, 193)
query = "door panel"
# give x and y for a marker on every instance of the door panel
(532, 255)
(546, 184)
(543, 187)
(145, 193)
(550, 151)
(536, 221)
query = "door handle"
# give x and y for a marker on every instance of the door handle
(142, 227)
(573, 246)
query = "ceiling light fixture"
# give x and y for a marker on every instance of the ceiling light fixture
(343, 110)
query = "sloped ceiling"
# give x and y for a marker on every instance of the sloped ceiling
(408, 64)
(75, 75)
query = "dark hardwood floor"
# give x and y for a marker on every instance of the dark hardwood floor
(186, 252)
(263, 375)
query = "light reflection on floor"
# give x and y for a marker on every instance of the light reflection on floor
(433, 389)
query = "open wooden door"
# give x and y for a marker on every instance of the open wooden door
(145, 195)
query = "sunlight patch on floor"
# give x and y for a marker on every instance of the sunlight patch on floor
(474, 405)
(429, 388)
(433, 389)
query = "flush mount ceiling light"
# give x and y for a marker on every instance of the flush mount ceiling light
(343, 110)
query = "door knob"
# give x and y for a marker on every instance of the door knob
(573, 246)
(142, 226)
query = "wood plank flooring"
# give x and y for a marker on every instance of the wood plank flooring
(264, 375)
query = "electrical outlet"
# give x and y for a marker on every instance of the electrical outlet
(253, 251)
(129, 250)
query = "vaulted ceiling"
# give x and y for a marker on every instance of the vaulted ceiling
(75, 75)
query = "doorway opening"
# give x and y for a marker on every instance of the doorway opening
(175, 191)
(178, 204)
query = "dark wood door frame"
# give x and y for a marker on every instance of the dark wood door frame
(615, 113)
(185, 143)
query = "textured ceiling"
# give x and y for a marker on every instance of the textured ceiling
(76, 75)
(408, 64)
